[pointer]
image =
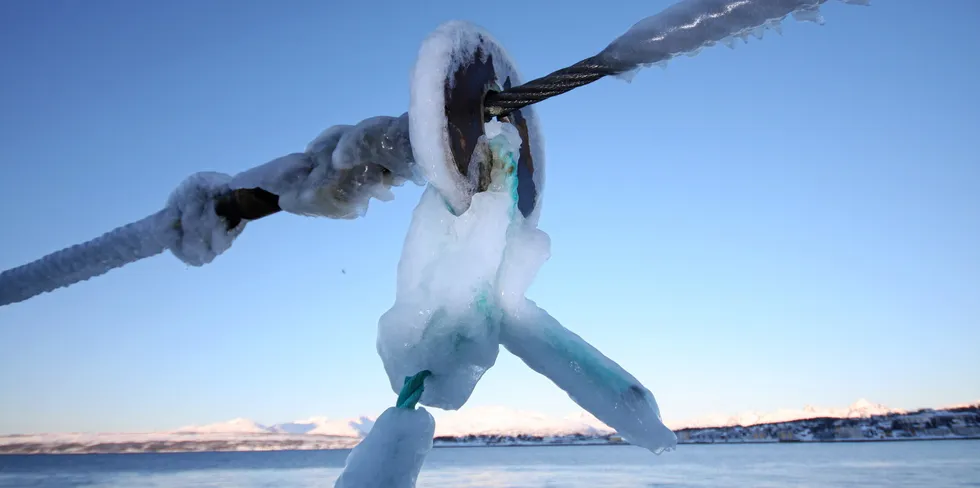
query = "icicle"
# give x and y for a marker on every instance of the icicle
(776, 25)
(809, 15)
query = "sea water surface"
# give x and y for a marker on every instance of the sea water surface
(932, 464)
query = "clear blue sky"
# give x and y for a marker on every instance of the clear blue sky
(795, 221)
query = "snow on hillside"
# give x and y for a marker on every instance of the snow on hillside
(859, 409)
(234, 426)
(506, 421)
(299, 426)
(469, 421)
(345, 428)
(956, 406)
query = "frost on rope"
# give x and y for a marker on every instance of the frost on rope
(392, 454)
(198, 234)
(446, 317)
(188, 226)
(81, 262)
(442, 53)
(337, 175)
(691, 25)
(340, 170)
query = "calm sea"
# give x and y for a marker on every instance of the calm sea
(932, 464)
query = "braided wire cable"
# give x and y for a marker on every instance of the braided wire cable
(499, 104)
(685, 27)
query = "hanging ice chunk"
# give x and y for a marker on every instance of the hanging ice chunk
(592, 380)
(776, 25)
(446, 317)
(392, 454)
(690, 25)
(809, 15)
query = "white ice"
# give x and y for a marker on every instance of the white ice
(340, 170)
(690, 25)
(461, 291)
(336, 177)
(126, 244)
(392, 454)
(446, 316)
(441, 54)
(593, 381)
(199, 235)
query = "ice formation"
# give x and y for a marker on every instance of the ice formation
(688, 26)
(392, 454)
(336, 176)
(469, 258)
(341, 170)
(446, 317)
(198, 234)
(473, 247)
(441, 54)
(593, 381)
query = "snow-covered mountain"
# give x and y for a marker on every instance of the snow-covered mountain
(859, 409)
(508, 421)
(960, 405)
(358, 427)
(490, 421)
(471, 421)
(242, 434)
(234, 426)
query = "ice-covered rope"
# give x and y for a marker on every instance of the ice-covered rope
(347, 165)
(683, 28)
(392, 454)
(335, 177)
(119, 247)
(412, 391)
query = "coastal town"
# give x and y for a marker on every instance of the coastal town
(962, 423)
(926, 424)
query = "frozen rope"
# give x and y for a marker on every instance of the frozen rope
(410, 394)
(335, 177)
(683, 28)
(116, 248)
(347, 165)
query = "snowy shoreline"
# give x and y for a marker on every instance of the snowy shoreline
(447, 445)
(862, 422)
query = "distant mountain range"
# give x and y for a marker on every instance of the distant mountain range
(507, 421)
(312, 426)
(859, 409)
(454, 427)
(469, 421)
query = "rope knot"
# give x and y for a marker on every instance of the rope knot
(197, 234)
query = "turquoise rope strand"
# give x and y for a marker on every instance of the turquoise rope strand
(412, 390)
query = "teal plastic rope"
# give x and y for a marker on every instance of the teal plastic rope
(412, 390)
